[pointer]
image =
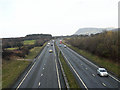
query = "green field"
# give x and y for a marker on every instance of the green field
(12, 48)
(69, 75)
(103, 62)
(11, 70)
(29, 42)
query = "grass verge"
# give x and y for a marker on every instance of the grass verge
(70, 77)
(11, 70)
(103, 62)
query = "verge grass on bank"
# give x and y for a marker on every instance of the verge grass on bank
(103, 62)
(29, 42)
(11, 70)
(34, 52)
(69, 75)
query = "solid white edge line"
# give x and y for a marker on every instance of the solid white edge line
(25, 76)
(57, 69)
(92, 64)
(75, 71)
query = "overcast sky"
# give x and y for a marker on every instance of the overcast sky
(56, 17)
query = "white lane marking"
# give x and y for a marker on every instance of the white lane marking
(39, 84)
(43, 68)
(44, 64)
(75, 71)
(25, 76)
(81, 64)
(114, 77)
(41, 74)
(86, 68)
(83, 58)
(93, 75)
(104, 84)
(92, 63)
(57, 69)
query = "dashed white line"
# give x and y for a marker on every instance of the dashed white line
(41, 74)
(86, 68)
(25, 76)
(93, 75)
(81, 64)
(39, 84)
(43, 68)
(104, 84)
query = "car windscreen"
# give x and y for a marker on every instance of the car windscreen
(102, 70)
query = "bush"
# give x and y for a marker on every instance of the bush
(104, 44)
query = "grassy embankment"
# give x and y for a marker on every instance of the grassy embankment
(34, 51)
(70, 77)
(13, 68)
(103, 62)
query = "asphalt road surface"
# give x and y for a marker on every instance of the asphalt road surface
(43, 73)
(85, 71)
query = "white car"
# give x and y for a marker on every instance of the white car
(50, 51)
(64, 46)
(60, 45)
(48, 43)
(102, 72)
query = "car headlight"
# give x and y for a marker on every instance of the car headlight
(102, 74)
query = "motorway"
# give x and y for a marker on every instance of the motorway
(85, 71)
(44, 72)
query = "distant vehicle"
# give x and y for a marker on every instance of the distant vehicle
(51, 44)
(60, 41)
(60, 45)
(102, 72)
(65, 46)
(48, 43)
(50, 51)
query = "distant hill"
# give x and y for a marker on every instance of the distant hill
(91, 30)
(37, 36)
